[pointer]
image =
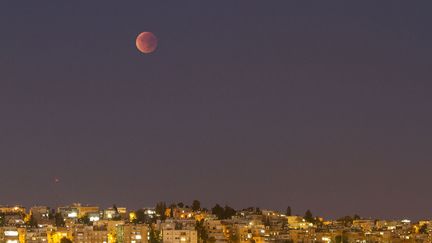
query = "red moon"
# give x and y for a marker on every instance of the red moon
(146, 42)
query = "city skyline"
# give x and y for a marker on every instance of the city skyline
(178, 222)
(317, 105)
(210, 208)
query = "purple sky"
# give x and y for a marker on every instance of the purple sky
(252, 103)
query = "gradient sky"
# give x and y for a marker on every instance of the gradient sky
(316, 105)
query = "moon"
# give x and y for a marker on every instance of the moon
(146, 42)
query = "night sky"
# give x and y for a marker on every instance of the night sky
(317, 105)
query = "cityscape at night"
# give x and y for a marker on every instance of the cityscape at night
(192, 223)
(225, 121)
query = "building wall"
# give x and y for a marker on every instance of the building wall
(179, 236)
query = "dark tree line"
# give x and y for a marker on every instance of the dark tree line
(348, 220)
(160, 210)
(223, 212)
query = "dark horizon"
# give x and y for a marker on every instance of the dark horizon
(320, 106)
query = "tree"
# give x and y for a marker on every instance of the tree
(59, 220)
(423, 229)
(51, 214)
(172, 211)
(154, 235)
(308, 216)
(139, 216)
(196, 205)
(180, 205)
(346, 220)
(223, 213)
(160, 210)
(116, 215)
(288, 211)
(201, 231)
(32, 222)
(258, 210)
(218, 211)
(172, 207)
(229, 212)
(65, 240)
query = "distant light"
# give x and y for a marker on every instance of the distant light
(94, 218)
(326, 239)
(11, 233)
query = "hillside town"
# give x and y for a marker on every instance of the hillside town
(180, 223)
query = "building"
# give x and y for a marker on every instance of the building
(12, 209)
(132, 233)
(217, 231)
(40, 213)
(12, 234)
(364, 224)
(89, 234)
(297, 222)
(38, 235)
(77, 210)
(179, 236)
(68, 212)
(115, 213)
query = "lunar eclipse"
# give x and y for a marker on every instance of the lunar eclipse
(146, 42)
